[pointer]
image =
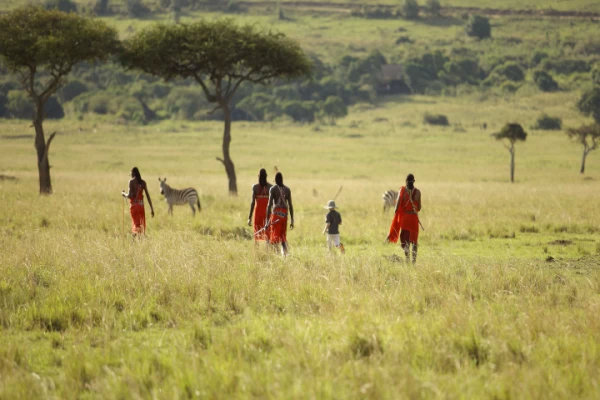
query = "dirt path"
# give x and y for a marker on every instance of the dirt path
(346, 8)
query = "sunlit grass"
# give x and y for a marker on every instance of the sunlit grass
(502, 303)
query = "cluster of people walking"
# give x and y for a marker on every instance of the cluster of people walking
(272, 204)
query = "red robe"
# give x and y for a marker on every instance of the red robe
(278, 226)
(260, 214)
(406, 217)
(138, 214)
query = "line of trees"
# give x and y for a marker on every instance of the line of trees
(42, 46)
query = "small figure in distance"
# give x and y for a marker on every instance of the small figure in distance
(258, 207)
(137, 187)
(405, 225)
(333, 220)
(280, 200)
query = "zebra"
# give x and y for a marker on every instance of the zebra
(179, 197)
(389, 199)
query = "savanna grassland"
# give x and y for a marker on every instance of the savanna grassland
(503, 303)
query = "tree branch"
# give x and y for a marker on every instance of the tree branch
(214, 109)
(50, 138)
(220, 159)
(209, 96)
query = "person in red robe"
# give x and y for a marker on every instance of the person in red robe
(405, 225)
(258, 207)
(137, 187)
(280, 201)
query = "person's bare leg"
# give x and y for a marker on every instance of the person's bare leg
(405, 244)
(414, 253)
(284, 250)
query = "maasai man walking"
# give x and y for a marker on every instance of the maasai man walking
(280, 200)
(258, 206)
(405, 224)
(137, 187)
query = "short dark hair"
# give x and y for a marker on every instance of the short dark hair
(279, 179)
(410, 178)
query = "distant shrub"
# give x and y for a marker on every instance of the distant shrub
(136, 8)
(71, 90)
(53, 109)
(232, 7)
(410, 9)
(184, 103)
(436, 119)
(596, 75)
(510, 71)
(101, 7)
(509, 86)
(544, 81)
(61, 5)
(565, 66)
(537, 58)
(479, 26)
(589, 103)
(19, 105)
(547, 123)
(434, 7)
(374, 13)
(98, 103)
(301, 111)
(3, 101)
(334, 108)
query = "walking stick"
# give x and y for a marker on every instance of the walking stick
(266, 226)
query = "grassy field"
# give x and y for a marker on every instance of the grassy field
(503, 303)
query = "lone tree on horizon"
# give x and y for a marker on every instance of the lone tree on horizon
(588, 136)
(219, 56)
(512, 133)
(41, 47)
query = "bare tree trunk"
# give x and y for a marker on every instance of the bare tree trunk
(42, 148)
(226, 160)
(585, 153)
(512, 164)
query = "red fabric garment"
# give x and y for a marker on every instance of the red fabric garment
(405, 219)
(138, 214)
(278, 226)
(260, 215)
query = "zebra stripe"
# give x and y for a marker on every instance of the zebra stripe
(389, 199)
(179, 196)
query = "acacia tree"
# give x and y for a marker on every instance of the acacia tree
(41, 47)
(219, 56)
(512, 133)
(588, 136)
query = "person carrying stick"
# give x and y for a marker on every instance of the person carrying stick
(405, 225)
(258, 206)
(137, 187)
(280, 200)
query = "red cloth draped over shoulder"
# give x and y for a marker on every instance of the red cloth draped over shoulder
(278, 226)
(138, 214)
(260, 215)
(405, 218)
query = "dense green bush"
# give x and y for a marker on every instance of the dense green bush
(98, 103)
(136, 8)
(589, 103)
(565, 66)
(410, 9)
(434, 7)
(3, 102)
(71, 90)
(186, 103)
(101, 7)
(479, 26)
(334, 108)
(548, 123)
(596, 75)
(62, 5)
(544, 81)
(511, 71)
(19, 105)
(537, 58)
(301, 111)
(436, 119)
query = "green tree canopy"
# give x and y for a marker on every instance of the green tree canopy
(334, 108)
(479, 26)
(512, 133)
(42, 46)
(219, 55)
(588, 136)
(589, 104)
